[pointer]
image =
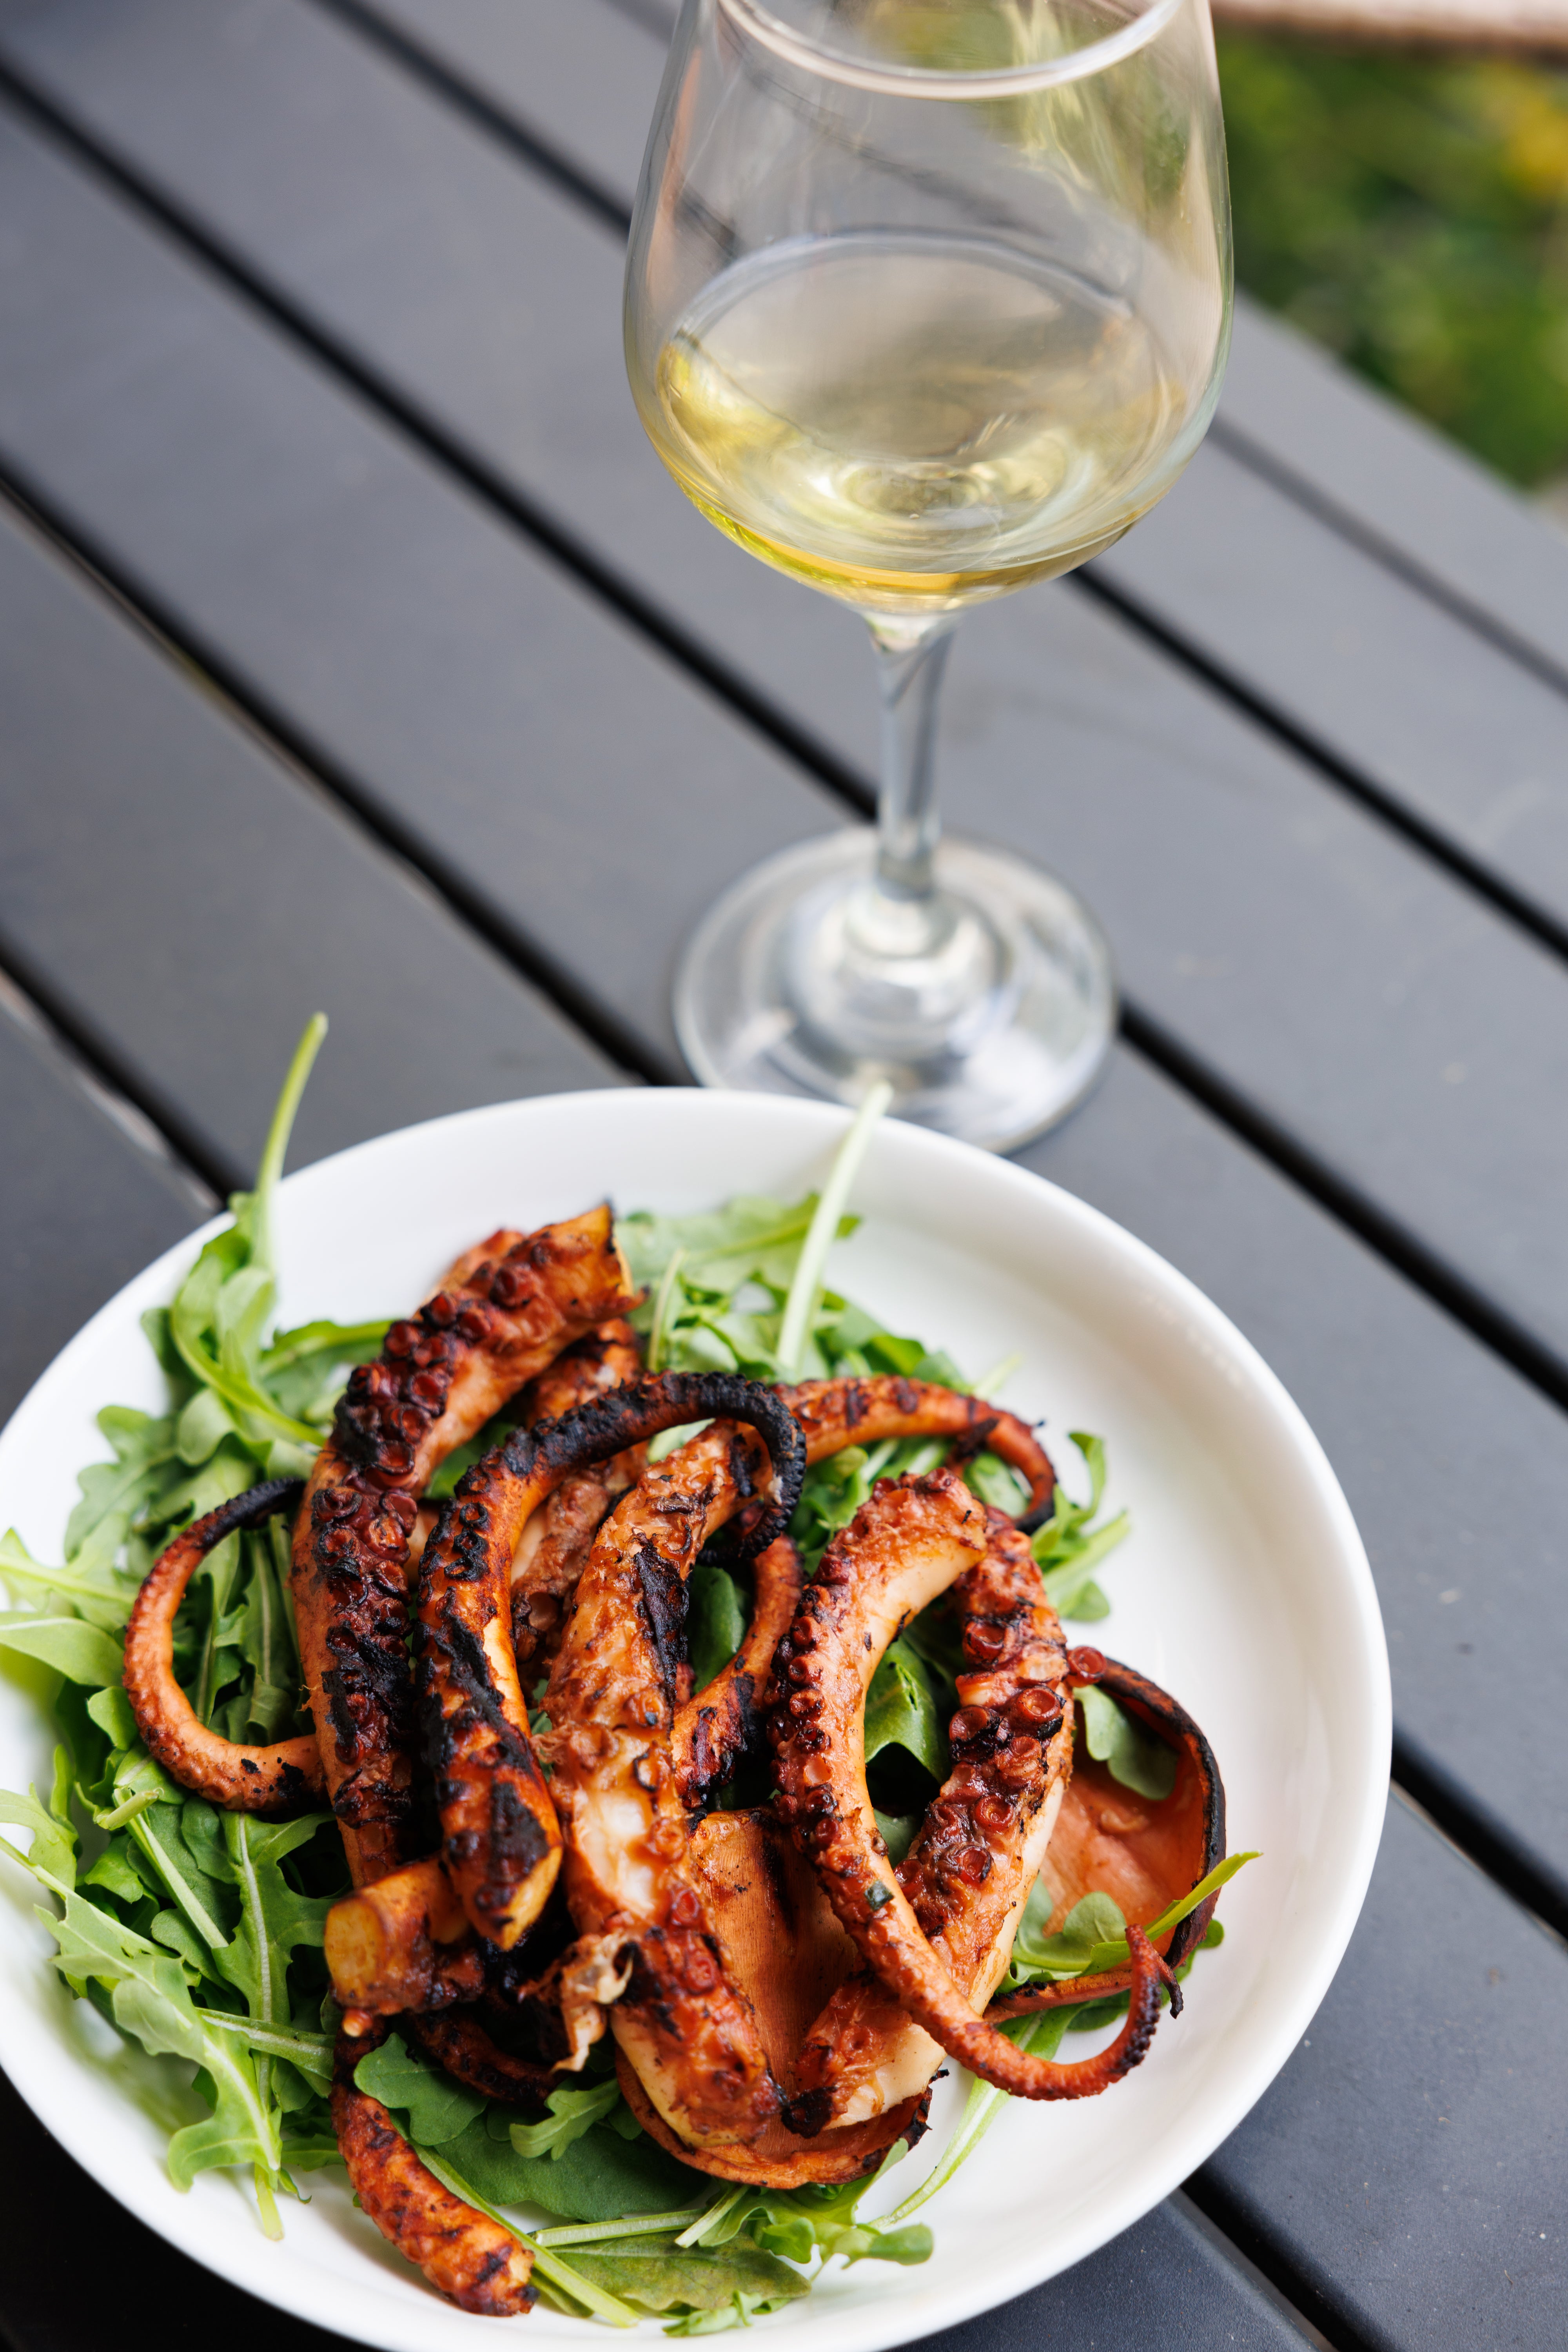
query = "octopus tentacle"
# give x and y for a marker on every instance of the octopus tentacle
(691, 2037)
(403, 1943)
(500, 1840)
(512, 1307)
(459, 2042)
(1148, 1852)
(471, 2259)
(557, 1540)
(836, 1414)
(903, 1546)
(243, 1778)
(716, 1726)
(978, 1851)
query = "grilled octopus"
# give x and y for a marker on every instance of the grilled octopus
(913, 1540)
(471, 2258)
(621, 1763)
(503, 1314)
(277, 1778)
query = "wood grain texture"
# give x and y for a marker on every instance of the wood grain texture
(1369, 1005)
(193, 900)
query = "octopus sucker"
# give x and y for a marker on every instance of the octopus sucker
(908, 1543)
(277, 1778)
(463, 2253)
(503, 1314)
(689, 2033)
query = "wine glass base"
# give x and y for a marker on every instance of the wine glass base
(997, 1034)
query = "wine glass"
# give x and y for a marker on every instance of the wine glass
(926, 299)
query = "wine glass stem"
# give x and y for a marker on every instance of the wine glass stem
(911, 657)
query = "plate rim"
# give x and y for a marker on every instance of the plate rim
(309, 2292)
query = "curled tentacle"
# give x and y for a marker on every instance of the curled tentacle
(836, 1414)
(614, 1693)
(504, 1313)
(904, 1547)
(975, 1857)
(500, 1840)
(471, 2258)
(1144, 1852)
(268, 1780)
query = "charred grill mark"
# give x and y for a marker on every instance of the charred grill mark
(662, 1589)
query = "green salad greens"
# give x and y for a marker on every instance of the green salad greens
(197, 1934)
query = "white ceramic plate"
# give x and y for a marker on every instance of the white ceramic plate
(1244, 1589)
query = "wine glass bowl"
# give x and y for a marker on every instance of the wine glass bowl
(926, 300)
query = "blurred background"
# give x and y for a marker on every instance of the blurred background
(1409, 210)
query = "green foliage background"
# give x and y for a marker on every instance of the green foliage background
(1412, 213)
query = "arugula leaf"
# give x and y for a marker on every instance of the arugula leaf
(1068, 1548)
(1135, 1756)
(434, 2107)
(571, 2112)
(800, 2222)
(1095, 1920)
(52, 1856)
(901, 1711)
(716, 1620)
(711, 2290)
(599, 2178)
(82, 1653)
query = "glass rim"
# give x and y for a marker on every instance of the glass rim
(925, 81)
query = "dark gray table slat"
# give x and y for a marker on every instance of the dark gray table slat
(1369, 1005)
(81, 1208)
(1370, 463)
(1349, 453)
(1410, 2160)
(411, 640)
(259, 521)
(195, 900)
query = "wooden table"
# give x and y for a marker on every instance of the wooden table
(356, 652)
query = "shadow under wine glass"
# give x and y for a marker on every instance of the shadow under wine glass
(926, 300)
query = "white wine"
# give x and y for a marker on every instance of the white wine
(916, 423)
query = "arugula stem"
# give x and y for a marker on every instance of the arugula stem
(1041, 2034)
(657, 1338)
(705, 2220)
(266, 2204)
(990, 1383)
(278, 1134)
(806, 1289)
(562, 2277)
(631, 2225)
